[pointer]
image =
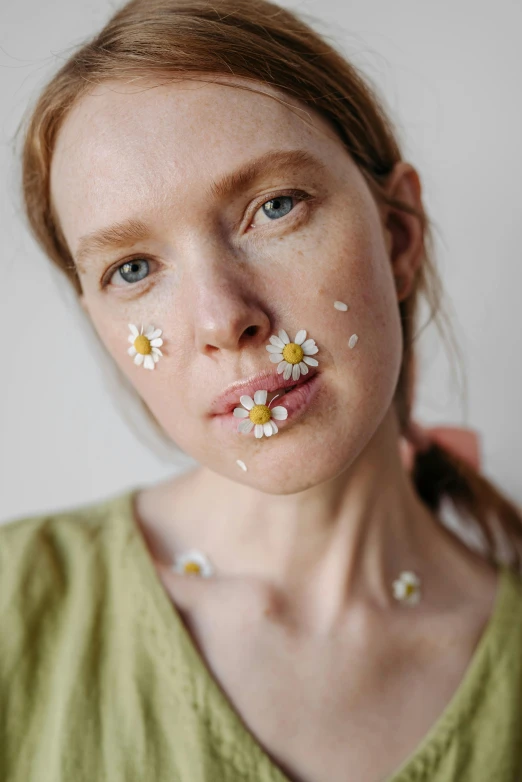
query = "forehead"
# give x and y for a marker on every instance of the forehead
(123, 147)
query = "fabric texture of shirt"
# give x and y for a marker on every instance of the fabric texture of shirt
(100, 681)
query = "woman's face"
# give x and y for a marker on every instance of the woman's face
(220, 269)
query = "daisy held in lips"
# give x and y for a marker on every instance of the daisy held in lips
(292, 357)
(145, 348)
(259, 415)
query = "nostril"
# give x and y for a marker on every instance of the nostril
(251, 330)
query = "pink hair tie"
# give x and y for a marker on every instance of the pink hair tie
(461, 441)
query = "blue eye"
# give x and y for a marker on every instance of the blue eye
(278, 207)
(132, 269)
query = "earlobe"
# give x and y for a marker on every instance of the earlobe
(404, 232)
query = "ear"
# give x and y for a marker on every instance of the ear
(403, 232)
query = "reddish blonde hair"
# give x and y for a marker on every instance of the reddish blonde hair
(259, 41)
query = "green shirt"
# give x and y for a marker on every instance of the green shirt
(101, 681)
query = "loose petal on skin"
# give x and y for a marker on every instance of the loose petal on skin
(340, 305)
(352, 342)
(241, 464)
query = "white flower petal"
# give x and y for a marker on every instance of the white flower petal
(245, 426)
(149, 362)
(138, 359)
(313, 362)
(340, 305)
(260, 397)
(309, 343)
(241, 464)
(131, 339)
(247, 401)
(132, 351)
(352, 342)
(284, 336)
(303, 368)
(274, 427)
(156, 343)
(279, 413)
(149, 331)
(274, 348)
(287, 372)
(155, 357)
(277, 342)
(296, 372)
(134, 330)
(311, 351)
(155, 334)
(157, 351)
(258, 430)
(275, 357)
(267, 429)
(240, 412)
(281, 366)
(300, 337)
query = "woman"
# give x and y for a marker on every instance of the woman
(231, 206)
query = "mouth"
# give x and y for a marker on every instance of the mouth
(275, 385)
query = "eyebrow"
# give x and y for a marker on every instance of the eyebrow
(127, 232)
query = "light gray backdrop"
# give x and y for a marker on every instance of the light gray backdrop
(450, 72)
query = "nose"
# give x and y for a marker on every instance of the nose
(228, 314)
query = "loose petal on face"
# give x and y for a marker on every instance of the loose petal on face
(340, 305)
(241, 464)
(260, 397)
(279, 413)
(246, 401)
(352, 342)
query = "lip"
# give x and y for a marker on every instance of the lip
(296, 402)
(269, 381)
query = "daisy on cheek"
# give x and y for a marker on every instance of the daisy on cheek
(259, 415)
(292, 357)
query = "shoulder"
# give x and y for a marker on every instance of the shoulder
(49, 552)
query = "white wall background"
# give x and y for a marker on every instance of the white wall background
(451, 74)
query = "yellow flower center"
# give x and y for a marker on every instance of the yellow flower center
(192, 567)
(293, 353)
(260, 414)
(410, 589)
(142, 345)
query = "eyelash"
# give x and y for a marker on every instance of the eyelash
(300, 195)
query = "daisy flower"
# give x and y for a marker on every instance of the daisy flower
(195, 562)
(145, 347)
(292, 357)
(259, 414)
(407, 588)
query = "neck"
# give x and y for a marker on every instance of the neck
(342, 540)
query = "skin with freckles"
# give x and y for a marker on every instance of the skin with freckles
(308, 539)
